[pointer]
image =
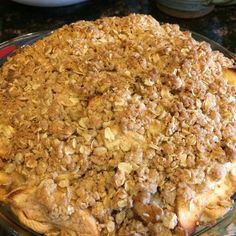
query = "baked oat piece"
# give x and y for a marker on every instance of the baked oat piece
(119, 126)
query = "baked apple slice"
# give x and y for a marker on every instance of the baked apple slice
(32, 213)
(189, 211)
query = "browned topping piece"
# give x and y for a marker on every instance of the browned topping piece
(114, 128)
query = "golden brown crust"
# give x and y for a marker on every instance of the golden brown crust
(32, 224)
(108, 121)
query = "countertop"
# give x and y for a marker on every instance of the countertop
(16, 19)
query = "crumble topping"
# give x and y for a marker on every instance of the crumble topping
(106, 122)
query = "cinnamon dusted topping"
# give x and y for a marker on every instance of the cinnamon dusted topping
(109, 121)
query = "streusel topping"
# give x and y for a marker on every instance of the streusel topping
(106, 122)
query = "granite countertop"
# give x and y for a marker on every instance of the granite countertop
(16, 19)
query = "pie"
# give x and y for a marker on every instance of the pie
(119, 126)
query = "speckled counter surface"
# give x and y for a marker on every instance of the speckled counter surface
(16, 19)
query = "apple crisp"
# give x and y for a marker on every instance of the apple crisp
(120, 126)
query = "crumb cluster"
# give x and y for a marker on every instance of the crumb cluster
(105, 123)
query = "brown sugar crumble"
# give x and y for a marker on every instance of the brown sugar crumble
(104, 124)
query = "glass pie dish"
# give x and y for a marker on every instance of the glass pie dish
(9, 223)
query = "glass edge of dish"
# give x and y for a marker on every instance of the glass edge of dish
(29, 36)
(33, 37)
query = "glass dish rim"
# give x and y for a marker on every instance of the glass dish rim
(14, 227)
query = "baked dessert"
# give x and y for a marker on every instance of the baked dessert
(120, 126)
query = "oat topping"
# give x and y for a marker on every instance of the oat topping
(106, 123)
